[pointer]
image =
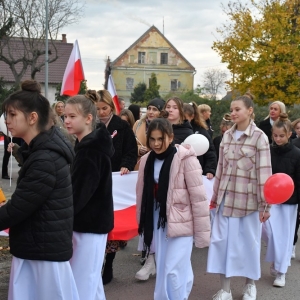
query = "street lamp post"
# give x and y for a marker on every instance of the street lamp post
(46, 54)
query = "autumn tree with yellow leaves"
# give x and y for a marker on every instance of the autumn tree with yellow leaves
(261, 45)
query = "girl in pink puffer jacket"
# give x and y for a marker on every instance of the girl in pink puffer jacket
(171, 209)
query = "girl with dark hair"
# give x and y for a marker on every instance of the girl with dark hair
(140, 129)
(243, 168)
(171, 209)
(280, 228)
(92, 193)
(136, 111)
(40, 212)
(208, 161)
(181, 127)
(127, 116)
(123, 160)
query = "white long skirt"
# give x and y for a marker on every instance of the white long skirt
(141, 245)
(174, 274)
(86, 264)
(41, 280)
(279, 232)
(235, 246)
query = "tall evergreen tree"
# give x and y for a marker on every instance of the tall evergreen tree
(138, 95)
(153, 90)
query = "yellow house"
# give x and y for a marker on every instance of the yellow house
(152, 53)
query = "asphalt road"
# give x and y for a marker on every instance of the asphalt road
(125, 287)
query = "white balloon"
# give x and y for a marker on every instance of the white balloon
(3, 127)
(199, 142)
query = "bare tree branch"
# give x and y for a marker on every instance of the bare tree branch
(213, 81)
(23, 45)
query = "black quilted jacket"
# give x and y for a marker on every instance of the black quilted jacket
(40, 212)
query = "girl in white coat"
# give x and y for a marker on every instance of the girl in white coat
(172, 209)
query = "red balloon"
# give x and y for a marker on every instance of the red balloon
(278, 188)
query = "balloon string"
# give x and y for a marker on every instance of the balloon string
(264, 211)
(10, 175)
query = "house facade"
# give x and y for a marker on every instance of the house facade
(56, 69)
(152, 53)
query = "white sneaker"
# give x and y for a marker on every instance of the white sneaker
(222, 295)
(293, 252)
(148, 269)
(249, 292)
(273, 272)
(280, 280)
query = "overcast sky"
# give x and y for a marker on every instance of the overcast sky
(109, 27)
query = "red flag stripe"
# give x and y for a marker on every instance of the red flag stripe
(125, 224)
(73, 74)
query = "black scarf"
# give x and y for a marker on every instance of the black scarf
(146, 217)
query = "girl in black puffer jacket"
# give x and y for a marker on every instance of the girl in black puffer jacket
(92, 193)
(40, 212)
(279, 229)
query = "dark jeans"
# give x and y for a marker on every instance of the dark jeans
(6, 155)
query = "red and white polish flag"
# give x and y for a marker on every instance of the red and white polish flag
(73, 74)
(125, 223)
(124, 195)
(112, 90)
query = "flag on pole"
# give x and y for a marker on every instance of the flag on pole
(112, 90)
(73, 74)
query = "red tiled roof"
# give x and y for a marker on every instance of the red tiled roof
(56, 68)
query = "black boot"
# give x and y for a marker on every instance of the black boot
(107, 274)
(143, 258)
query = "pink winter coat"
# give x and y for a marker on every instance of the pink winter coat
(187, 208)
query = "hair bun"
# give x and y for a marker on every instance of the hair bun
(163, 114)
(92, 95)
(248, 94)
(227, 117)
(283, 117)
(31, 86)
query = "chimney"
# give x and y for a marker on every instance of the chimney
(64, 38)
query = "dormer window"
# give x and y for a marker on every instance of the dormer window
(142, 57)
(164, 58)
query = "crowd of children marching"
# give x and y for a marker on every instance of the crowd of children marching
(62, 209)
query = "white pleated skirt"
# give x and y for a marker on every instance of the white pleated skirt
(235, 246)
(141, 245)
(41, 280)
(278, 232)
(174, 274)
(86, 264)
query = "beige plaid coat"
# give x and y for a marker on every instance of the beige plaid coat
(243, 168)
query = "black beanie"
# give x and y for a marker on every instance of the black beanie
(158, 103)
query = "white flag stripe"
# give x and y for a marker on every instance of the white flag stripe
(124, 189)
(111, 87)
